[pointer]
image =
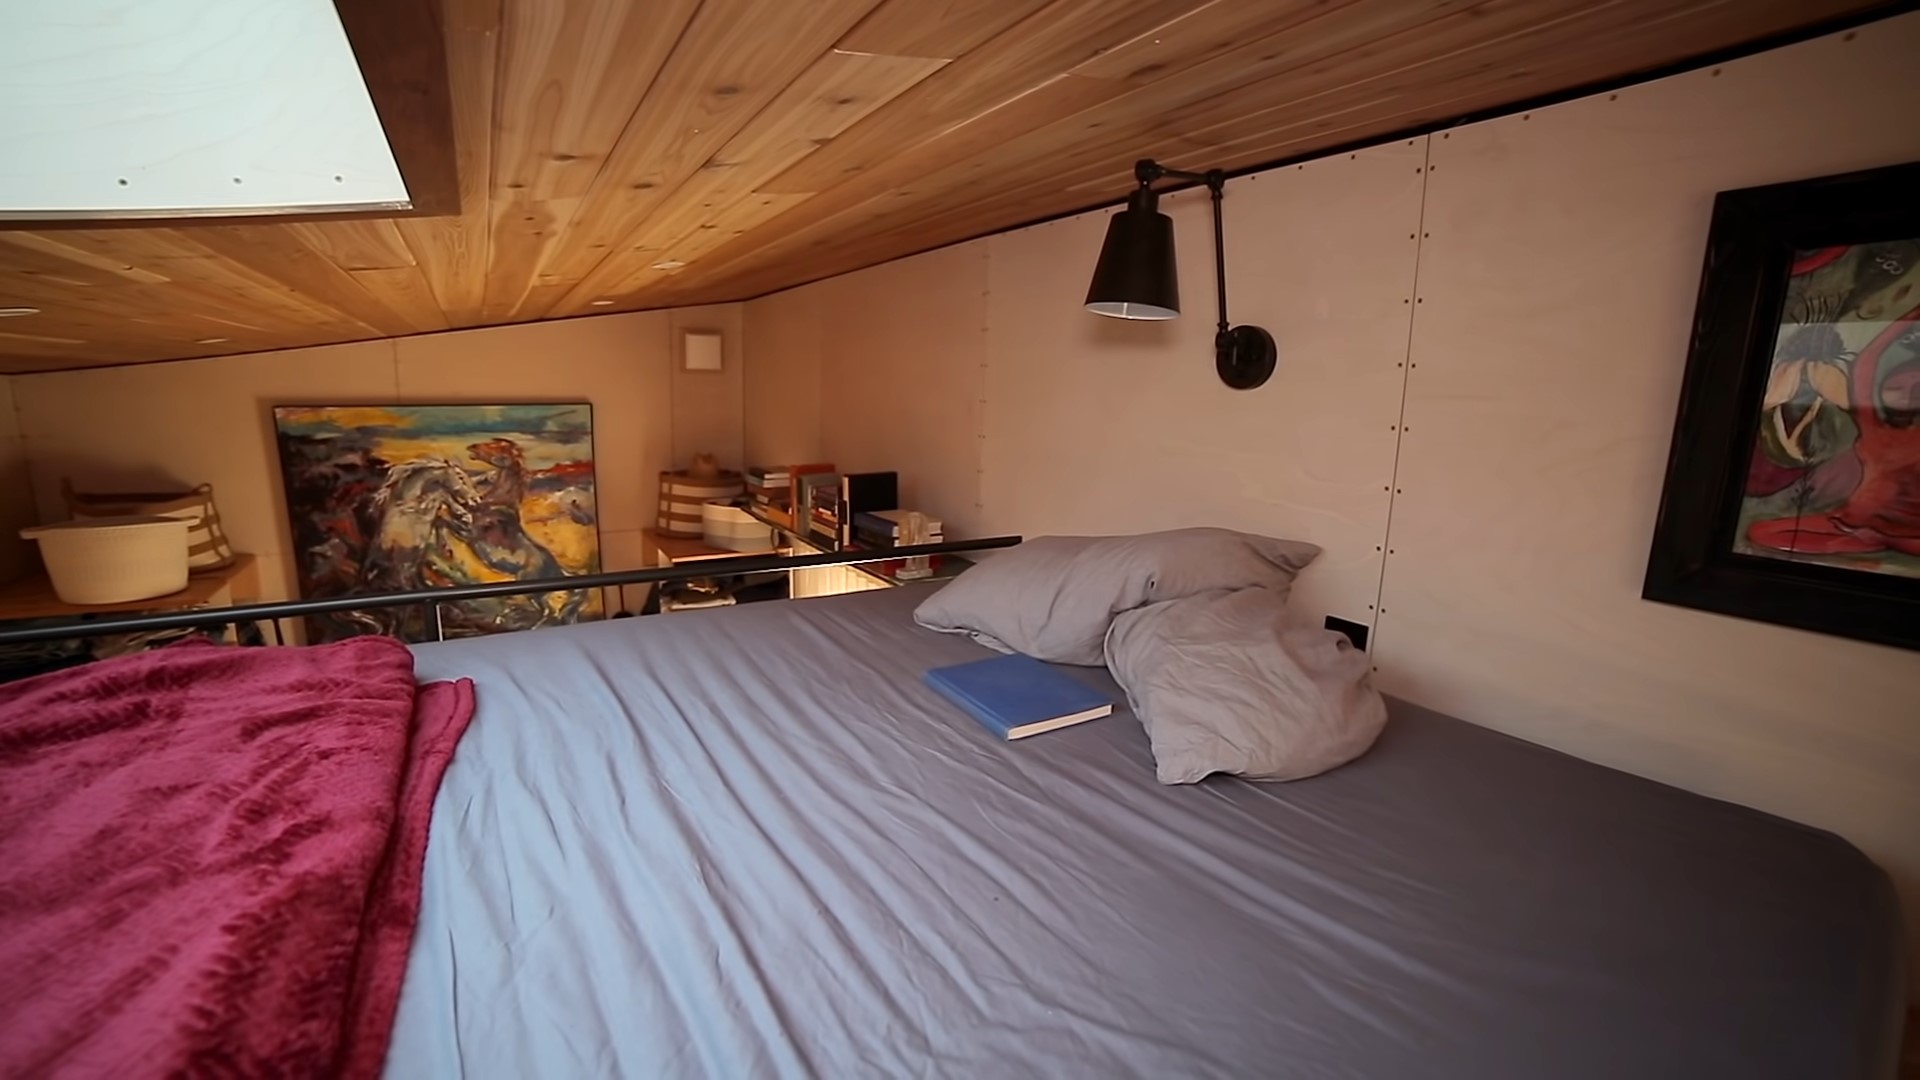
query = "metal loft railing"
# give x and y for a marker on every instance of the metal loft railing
(288, 609)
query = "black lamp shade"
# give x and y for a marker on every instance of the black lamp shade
(1135, 277)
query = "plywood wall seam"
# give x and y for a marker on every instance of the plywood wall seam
(1400, 414)
(980, 387)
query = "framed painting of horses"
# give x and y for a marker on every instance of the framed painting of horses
(1793, 482)
(383, 498)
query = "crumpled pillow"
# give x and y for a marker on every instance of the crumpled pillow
(1054, 597)
(1223, 685)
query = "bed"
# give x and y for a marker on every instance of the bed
(750, 842)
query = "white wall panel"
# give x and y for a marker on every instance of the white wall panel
(1558, 290)
(128, 107)
(1097, 425)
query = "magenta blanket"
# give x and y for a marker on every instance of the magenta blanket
(210, 858)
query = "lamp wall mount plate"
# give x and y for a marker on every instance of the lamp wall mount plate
(1244, 356)
(1136, 276)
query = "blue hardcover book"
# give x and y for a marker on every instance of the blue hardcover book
(1017, 696)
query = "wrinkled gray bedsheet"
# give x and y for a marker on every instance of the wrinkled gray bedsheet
(750, 843)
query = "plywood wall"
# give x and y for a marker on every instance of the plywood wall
(973, 372)
(1095, 425)
(878, 370)
(707, 407)
(781, 397)
(1494, 497)
(1557, 289)
(210, 420)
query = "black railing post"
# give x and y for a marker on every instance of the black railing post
(282, 609)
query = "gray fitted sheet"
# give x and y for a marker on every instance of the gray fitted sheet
(750, 843)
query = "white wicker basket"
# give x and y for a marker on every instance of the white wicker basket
(681, 495)
(112, 560)
(730, 528)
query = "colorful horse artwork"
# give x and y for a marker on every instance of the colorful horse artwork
(392, 498)
(1834, 476)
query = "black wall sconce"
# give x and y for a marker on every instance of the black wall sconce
(1136, 278)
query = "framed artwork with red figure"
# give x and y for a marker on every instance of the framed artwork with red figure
(1793, 484)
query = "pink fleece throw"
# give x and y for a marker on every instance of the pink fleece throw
(210, 858)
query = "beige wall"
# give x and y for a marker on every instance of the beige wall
(974, 372)
(210, 420)
(16, 493)
(878, 370)
(905, 377)
(782, 391)
(706, 404)
(1481, 341)
(1096, 425)
(1558, 287)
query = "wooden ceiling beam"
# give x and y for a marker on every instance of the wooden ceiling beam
(452, 251)
(356, 245)
(1221, 27)
(1085, 127)
(764, 143)
(403, 289)
(178, 316)
(572, 77)
(943, 31)
(64, 249)
(1299, 120)
(400, 48)
(723, 197)
(303, 272)
(1064, 96)
(1037, 181)
(734, 59)
(1021, 59)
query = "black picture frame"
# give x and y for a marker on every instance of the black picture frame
(1750, 249)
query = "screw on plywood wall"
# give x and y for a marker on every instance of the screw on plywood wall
(1405, 366)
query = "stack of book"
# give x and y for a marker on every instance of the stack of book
(816, 505)
(863, 493)
(771, 489)
(886, 528)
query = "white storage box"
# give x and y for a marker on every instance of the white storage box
(733, 529)
(112, 560)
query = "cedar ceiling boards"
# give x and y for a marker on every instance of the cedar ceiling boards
(675, 152)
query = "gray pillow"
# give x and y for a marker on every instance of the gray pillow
(1054, 597)
(1222, 685)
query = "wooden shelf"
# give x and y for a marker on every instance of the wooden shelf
(945, 568)
(679, 549)
(32, 597)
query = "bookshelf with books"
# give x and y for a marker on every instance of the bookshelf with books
(770, 489)
(817, 508)
(824, 509)
(880, 574)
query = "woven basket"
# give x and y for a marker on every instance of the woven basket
(681, 494)
(114, 560)
(207, 547)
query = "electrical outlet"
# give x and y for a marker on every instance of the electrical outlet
(1356, 632)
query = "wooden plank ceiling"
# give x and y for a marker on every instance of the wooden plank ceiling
(625, 154)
